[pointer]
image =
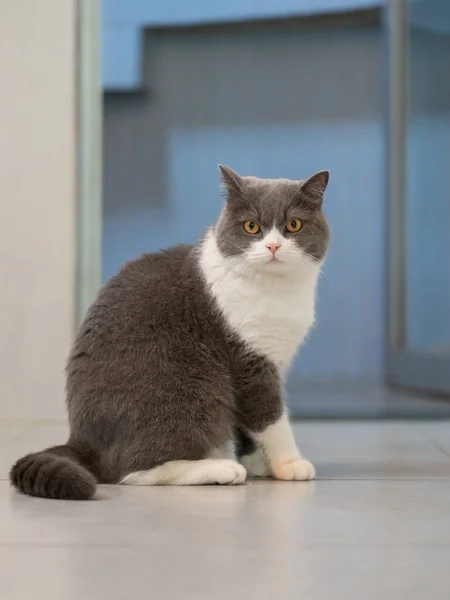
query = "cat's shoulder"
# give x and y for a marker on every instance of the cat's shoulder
(147, 286)
(153, 264)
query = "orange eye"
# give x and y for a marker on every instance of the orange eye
(251, 227)
(294, 225)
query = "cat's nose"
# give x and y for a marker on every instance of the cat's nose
(273, 247)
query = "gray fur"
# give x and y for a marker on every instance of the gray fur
(155, 374)
(272, 203)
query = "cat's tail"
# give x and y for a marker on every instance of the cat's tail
(61, 473)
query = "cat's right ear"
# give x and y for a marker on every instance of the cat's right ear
(231, 181)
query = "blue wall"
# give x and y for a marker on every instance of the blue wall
(273, 103)
(162, 150)
(124, 21)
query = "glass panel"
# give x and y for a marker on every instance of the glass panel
(427, 190)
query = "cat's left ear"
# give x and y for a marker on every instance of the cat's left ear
(314, 187)
(231, 180)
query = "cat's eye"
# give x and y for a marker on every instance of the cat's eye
(294, 225)
(251, 227)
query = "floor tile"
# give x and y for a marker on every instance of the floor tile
(312, 573)
(438, 433)
(372, 450)
(374, 525)
(326, 512)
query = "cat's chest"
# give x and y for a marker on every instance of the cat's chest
(270, 319)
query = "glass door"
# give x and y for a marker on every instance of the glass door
(419, 194)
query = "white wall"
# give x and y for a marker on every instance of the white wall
(37, 204)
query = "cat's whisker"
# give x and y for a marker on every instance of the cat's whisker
(326, 277)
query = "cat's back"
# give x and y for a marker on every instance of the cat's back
(168, 269)
(154, 291)
(150, 349)
(152, 277)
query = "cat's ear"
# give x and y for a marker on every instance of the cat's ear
(231, 181)
(313, 188)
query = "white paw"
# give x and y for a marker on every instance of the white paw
(295, 470)
(227, 472)
(136, 478)
(256, 464)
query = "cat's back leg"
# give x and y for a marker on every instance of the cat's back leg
(186, 414)
(190, 472)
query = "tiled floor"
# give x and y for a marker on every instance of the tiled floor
(375, 525)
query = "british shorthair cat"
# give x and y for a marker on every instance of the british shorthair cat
(187, 349)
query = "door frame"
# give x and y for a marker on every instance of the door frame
(89, 121)
(406, 368)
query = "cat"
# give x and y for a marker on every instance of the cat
(186, 349)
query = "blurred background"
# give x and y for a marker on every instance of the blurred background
(115, 116)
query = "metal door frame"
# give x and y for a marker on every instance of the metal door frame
(89, 154)
(406, 368)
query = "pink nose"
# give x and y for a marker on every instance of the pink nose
(273, 247)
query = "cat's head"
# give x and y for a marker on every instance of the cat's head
(273, 224)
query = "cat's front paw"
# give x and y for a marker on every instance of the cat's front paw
(298, 469)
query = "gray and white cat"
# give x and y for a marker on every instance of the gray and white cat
(188, 348)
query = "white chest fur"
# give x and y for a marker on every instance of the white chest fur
(271, 314)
